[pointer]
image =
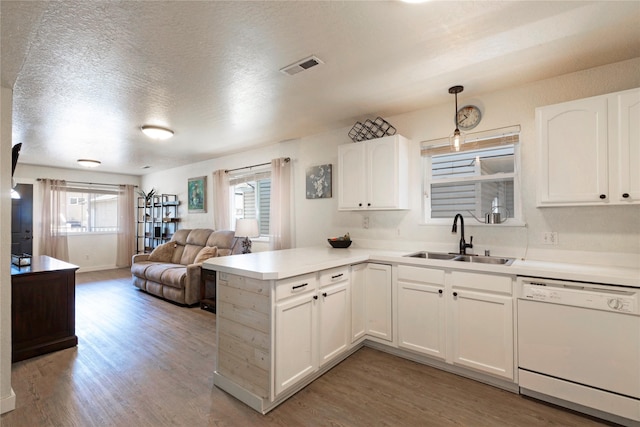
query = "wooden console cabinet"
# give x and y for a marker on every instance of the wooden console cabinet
(43, 300)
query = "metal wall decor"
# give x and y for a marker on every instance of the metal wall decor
(371, 130)
(319, 182)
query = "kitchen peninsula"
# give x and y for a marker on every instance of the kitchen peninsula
(286, 317)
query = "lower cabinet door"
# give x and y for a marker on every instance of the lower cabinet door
(358, 324)
(377, 297)
(334, 321)
(421, 318)
(482, 332)
(295, 352)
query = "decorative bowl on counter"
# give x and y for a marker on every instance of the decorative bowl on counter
(340, 242)
(336, 243)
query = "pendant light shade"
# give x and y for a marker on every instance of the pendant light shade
(456, 139)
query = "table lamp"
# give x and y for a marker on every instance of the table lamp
(247, 228)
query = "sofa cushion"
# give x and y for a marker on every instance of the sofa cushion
(163, 252)
(199, 237)
(206, 253)
(221, 239)
(168, 274)
(138, 268)
(179, 237)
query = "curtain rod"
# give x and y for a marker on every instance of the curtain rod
(83, 182)
(286, 159)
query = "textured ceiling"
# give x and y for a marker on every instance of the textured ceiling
(86, 75)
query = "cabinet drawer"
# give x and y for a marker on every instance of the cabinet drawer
(295, 286)
(420, 274)
(485, 282)
(334, 275)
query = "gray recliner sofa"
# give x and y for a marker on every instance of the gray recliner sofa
(173, 270)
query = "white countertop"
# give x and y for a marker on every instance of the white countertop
(274, 265)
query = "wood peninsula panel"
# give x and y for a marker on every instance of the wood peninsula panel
(244, 332)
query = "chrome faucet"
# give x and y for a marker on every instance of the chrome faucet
(463, 245)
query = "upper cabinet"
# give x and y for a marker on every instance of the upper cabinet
(374, 174)
(588, 151)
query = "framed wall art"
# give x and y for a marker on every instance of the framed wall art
(319, 182)
(197, 194)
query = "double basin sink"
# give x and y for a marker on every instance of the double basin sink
(462, 258)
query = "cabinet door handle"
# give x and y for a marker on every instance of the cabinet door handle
(625, 195)
(324, 294)
(603, 196)
(455, 294)
(440, 291)
(359, 204)
(315, 297)
(337, 275)
(293, 288)
(368, 204)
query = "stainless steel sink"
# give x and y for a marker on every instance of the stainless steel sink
(484, 259)
(432, 255)
(462, 258)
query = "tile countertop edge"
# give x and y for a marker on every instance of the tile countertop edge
(294, 262)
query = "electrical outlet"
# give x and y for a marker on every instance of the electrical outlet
(550, 238)
(365, 222)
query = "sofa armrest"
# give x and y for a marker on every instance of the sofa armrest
(139, 258)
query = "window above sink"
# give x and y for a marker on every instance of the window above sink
(482, 178)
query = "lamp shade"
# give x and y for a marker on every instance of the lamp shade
(247, 228)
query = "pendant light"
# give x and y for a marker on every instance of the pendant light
(456, 139)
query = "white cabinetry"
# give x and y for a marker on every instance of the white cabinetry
(465, 319)
(374, 175)
(421, 310)
(588, 150)
(334, 313)
(482, 322)
(311, 325)
(358, 323)
(371, 302)
(295, 331)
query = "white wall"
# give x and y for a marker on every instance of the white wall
(587, 231)
(87, 251)
(7, 397)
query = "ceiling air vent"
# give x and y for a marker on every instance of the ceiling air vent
(303, 64)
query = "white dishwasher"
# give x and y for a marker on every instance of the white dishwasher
(579, 346)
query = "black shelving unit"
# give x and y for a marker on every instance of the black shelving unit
(157, 220)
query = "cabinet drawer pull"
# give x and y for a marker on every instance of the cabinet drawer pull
(337, 275)
(455, 294)
(315, 297)
(293, 288)
(440, 291)
(625, 195)
(603, 196)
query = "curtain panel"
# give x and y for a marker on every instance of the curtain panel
(53, 239)
(221, 200)
(280, 211)
(126, 226)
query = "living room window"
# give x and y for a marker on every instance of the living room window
(91, 208)
(482, 178)
(252, 197)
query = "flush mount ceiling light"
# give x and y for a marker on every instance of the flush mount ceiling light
(157, 132)
(456, 139)
(88, 163)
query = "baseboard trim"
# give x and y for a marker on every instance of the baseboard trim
(8, 403)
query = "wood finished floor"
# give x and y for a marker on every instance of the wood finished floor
(142, 361)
